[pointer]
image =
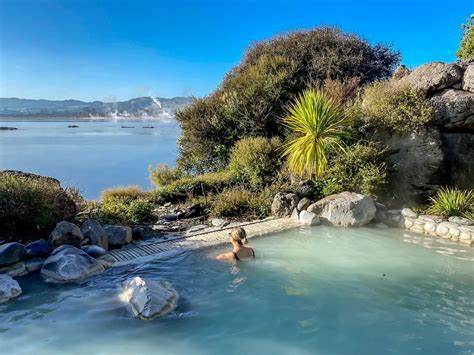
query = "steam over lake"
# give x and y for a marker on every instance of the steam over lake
(94, 156)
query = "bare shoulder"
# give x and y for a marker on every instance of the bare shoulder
(225, 256)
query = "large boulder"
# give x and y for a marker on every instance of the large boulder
(432, 77)
(347, 209)
(459, 161)
(66, 233)
(309, 218)
(284, 203)
(69, 264)
(118, 235)
(415, 165)
(11, 253)
(149, 299)
(9, 288)
(454, 109)
(38, 248)
(96, 234)
(468, 78)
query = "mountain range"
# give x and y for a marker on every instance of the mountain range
(141, 107)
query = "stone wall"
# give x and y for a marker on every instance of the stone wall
(442, 153)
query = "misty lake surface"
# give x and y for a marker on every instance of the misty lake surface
(93, 156)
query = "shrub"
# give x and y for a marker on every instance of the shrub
(388, 104)
(452, 202)
(198, 185)
(31, 205)
(124, 193)
(359, 169)
(319, 124)
(164, 175)
(466, 47)
(254, 95)
(241, 203)
(255, 161)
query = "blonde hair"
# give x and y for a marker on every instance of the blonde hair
(239, 235)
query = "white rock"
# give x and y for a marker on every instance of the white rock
(309, 218)
(9, 288)
(407, 212)
(149, 299)
(295, 214)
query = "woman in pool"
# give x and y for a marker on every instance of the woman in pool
(238, 238)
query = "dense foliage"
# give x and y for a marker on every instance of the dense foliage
(360, 169)
(163, 175)
(453, 202)
(255, 161)
(31, 206)
(466, 47)
(254, 95)
(390, 105)
(240, 203)
(319, 126)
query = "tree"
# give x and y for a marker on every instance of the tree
(466, 47)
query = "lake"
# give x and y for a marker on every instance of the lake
(92, 157)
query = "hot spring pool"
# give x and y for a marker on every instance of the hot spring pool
(310, 291)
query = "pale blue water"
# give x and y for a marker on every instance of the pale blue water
(92, 157)
(312, 291)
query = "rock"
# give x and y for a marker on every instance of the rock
(169, 216)
(8, 128)
(432, 77)
(9, 288)
(69, 264)
(305, 188)
(459, 160)
(295, 214)
(219, 222)
(418, 226)
(347, 209)
(196, 229)
(408, 222)
(11, 253)
(118, 235)
(380, 207)
(34, 264)
(284, 203)
(303, 204)
(415, 165)
(380, 217)
(431, 218)
(94, 250)
(15, 270)
(430, 228)
(149, 299)
(468, 78)
(407, 212)
(97, 235)
(309, 218)
(454, 109)
(193, 211)
(66, 233)
(461, 220)
(38, 248)
(401, 72)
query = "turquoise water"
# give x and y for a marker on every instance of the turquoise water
(312, 291)
(92, 157)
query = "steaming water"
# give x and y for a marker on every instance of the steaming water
(312, 291)
(92, 157)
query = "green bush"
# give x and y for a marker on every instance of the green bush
(254, 95)
(255, 161)
(359, 169)
(163, 175)
(124, 193)
(466, 47)
(31, 205)
(452, 202)
(241, 203)
(198, 185)
(388, 104)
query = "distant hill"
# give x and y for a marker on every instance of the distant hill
(141, 107)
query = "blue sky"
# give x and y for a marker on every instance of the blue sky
(116, 49)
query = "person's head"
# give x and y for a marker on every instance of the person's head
(238, 236)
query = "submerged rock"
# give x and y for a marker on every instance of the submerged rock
(9, 288)
(284, 203)
(347, 209)
(69, 264)
(97, 235)
(118, 235)
(11, 253)
(149, 299)
(38, 248)
(66, 233)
